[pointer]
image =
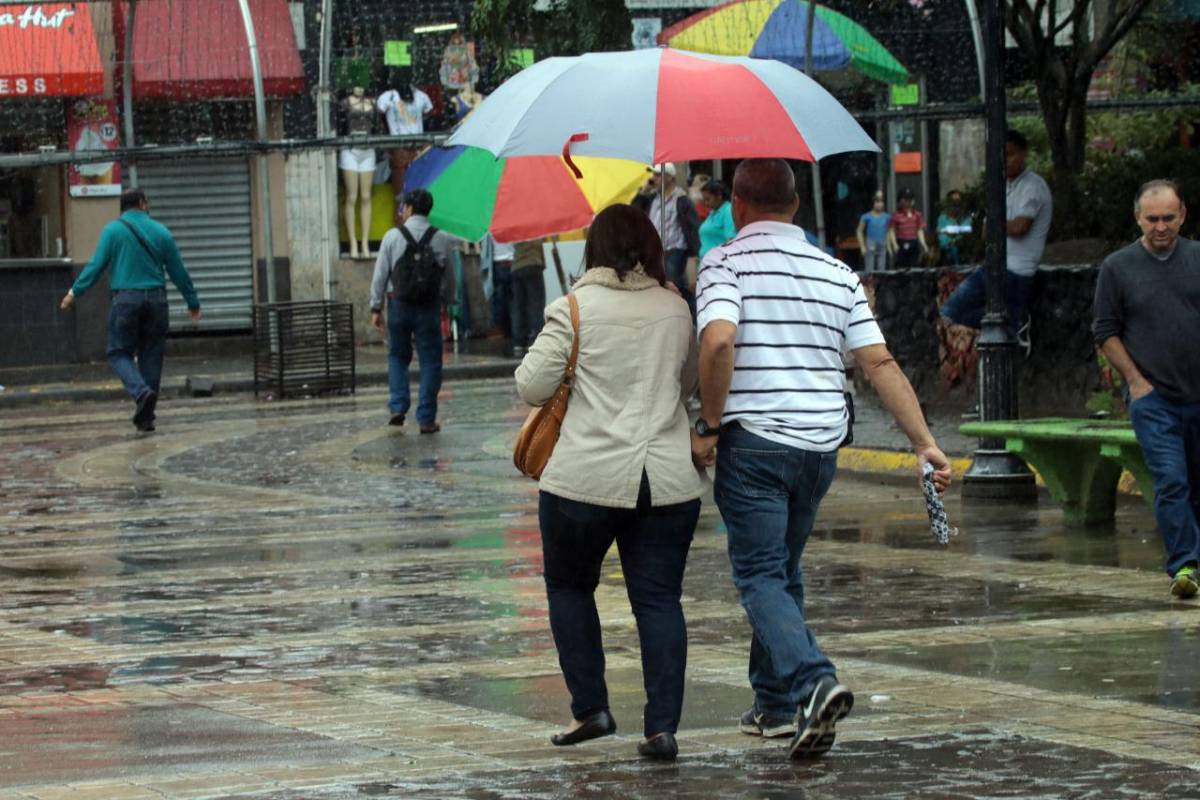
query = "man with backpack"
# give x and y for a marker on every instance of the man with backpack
(412, 270)
(142, 254)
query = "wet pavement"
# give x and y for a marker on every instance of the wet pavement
(286, 600)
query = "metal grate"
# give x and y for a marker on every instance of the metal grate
(303, 349)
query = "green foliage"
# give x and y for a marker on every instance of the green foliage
(573, 27)
(500, 26)
(1125, 149)
(1110, 400)
(569, 28)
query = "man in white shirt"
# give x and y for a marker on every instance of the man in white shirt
(405, 111)
(775, 315)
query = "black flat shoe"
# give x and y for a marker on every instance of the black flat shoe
(599, 724)
(661, 747)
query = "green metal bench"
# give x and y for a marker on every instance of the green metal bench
(1080, 460)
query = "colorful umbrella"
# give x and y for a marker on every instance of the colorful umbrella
(518, 198)
(778, 29)
(659, 105)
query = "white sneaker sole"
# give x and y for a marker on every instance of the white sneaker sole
(816, 740)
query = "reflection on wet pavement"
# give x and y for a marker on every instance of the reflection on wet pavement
(294, 600)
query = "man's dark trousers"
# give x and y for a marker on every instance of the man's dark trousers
(423, 324)
(675, 262)
(137, 333)
(528, 308)
(1169, 434)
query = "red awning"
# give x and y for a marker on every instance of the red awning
(194, 49)
(48, 49)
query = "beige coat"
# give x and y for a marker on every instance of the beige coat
(637, 366)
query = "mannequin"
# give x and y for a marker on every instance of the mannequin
(458, 71)
(357, 165)
(405, 109)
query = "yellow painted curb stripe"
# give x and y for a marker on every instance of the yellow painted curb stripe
(890, 462)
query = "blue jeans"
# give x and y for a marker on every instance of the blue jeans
(653, 544)
(528, 309)
(407, 323)
(968, 303)
(675, 263)
(876, 257)
(502, 296)
(768, 495)
(1169, 434)
(137, 333)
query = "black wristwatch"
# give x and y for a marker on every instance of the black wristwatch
(703, 429)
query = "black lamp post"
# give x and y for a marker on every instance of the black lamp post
(995, 472)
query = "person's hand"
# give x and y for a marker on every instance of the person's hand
(704, 450)
(377, 321)
(68, 301)
(1140, 389)
(671, 285)
(942, 474)
(196, 314)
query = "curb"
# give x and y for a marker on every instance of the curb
(241, 384)
(896, 464)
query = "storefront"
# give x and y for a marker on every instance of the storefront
(50, 61)
(192, 82)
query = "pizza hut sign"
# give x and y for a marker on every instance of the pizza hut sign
(35, 16)
(40, 47)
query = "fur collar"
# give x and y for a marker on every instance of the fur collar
(607, 276)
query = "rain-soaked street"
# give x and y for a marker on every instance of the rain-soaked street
(293, 600)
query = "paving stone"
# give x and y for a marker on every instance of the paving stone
(283, 600)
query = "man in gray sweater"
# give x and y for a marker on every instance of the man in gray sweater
(409, 318)
(1147, 324)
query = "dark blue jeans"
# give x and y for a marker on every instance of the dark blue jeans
(675, 262)
(528, 309)
(502, 296)
(768, 495)
(137, 333)
(1169, 434)
(966, 306)
(653, 544)
(423, 324)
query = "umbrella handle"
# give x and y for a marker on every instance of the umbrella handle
(575, 137)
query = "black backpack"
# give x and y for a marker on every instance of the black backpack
(417, 276)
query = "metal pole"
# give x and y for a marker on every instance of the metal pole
(977, 36)
(996, 473)
(264, 177)
(818, 199)
(127, 89)
(324, 129)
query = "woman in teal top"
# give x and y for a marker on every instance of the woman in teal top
(718, 228)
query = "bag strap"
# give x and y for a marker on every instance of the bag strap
(574, 359)
(142, 241)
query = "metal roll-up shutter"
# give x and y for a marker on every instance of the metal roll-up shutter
(206, 204)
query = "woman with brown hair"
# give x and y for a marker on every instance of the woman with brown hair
(621, 471)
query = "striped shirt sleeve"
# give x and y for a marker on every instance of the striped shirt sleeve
(861, 328)
(718, 295)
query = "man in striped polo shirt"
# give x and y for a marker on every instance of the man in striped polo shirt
(775, 315)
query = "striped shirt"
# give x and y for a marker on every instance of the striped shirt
(797, 311)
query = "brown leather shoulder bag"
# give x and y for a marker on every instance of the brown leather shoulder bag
(540, 432)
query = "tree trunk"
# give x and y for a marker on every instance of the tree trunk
(1063, 101)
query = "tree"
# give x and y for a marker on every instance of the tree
(1064, 41)
(568, 28)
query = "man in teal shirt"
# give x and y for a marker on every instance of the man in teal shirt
(139, 250)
